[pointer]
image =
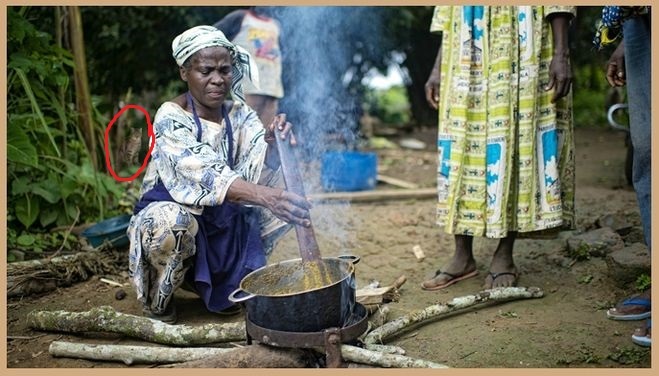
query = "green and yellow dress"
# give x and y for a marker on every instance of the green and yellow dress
(506, 153)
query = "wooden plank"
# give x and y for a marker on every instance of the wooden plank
(397, 182)
(376, 195)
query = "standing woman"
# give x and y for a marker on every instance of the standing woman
(209, 211)
(501, 83)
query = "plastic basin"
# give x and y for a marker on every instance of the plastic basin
(112, 230)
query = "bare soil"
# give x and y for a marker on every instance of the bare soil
(565, 328)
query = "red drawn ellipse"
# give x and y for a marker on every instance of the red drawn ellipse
(149, 131)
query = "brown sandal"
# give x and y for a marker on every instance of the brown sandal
(454, 279)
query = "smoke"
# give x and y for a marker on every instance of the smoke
(322, 46)
(324, 50)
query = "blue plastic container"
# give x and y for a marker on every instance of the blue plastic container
(348, 171)
(113, 230)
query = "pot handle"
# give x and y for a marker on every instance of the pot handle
(232, 297)
(350, 258)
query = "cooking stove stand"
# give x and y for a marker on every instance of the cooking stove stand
(330, 339)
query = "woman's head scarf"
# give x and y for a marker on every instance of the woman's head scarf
(200, 37)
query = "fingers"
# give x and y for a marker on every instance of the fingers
(615, 76)
(293, 209)
(432, 95)
(561, 88)
(283, 127)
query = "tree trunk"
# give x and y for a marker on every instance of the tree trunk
(83, 96)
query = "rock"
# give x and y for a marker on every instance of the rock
(635, 235)
(626, 264)
(616, 222)
(412, 143)
(120, 294)
(381, 143)
(18, 255)
(597, 243)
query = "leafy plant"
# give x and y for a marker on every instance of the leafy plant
(585, 279)
(51, 181)
(643, 282)
(628, 355)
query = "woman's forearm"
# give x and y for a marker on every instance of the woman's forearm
(560, 22)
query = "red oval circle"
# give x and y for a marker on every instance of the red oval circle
(149, 132)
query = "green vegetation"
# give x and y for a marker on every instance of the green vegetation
(51, 180)
(389, 105)
(629, 355)
(643, 282)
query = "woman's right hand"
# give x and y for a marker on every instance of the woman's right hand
(615, 67)
(288, 206)
(432, 89)
(285, 205)
(432, 84)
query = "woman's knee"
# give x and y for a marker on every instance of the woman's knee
(167, 227)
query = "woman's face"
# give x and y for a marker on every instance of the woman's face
(209, 76)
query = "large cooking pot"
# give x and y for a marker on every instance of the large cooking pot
(284, 296)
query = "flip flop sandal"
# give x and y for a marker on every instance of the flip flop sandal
(454, 279)
(494, 276)
(644, 341)
(637, 301)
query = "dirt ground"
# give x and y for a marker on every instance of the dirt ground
(565, 328)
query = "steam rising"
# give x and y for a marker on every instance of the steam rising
(320, 46)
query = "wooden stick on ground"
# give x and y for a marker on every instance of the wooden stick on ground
(106, 319)
(244, 357)
(380, 334)
(397, 182)
(376, 195)
(133, 354)
(34, 276)
(359, 355)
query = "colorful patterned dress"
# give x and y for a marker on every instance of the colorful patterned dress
(506, 160)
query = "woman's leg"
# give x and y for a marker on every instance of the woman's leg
(461, 266)
(503, 272)
(167, 248)
(638, 66)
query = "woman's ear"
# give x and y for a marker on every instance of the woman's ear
(183, 72)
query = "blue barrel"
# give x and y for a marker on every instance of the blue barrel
(346, 171)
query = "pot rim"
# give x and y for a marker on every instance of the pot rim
(350, 261)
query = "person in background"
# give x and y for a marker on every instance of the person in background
(209, 210)
(501, 82)
(260, 35)
(630, 65)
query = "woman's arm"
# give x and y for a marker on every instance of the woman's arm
(560, 71)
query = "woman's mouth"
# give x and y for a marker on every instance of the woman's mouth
(216, 94)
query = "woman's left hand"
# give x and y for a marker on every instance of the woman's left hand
(285, 128)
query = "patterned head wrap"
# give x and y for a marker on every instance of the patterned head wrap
(200, 37)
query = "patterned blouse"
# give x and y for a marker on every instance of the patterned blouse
(196, 173)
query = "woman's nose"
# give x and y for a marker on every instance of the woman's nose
(217, 78)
